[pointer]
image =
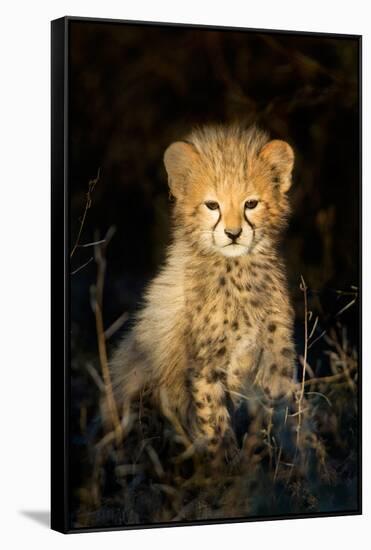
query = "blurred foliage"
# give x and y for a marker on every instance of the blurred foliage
(133, 90)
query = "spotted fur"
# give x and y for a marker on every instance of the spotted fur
(217, 324)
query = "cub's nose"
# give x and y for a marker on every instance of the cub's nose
(233, 233)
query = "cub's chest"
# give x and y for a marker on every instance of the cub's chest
(224, 316)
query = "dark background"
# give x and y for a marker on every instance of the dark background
(134, 89)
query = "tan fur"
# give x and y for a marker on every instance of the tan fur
(217, 323)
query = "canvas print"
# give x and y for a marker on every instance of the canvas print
(214, 281)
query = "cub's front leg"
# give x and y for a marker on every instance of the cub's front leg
(211, 424)
(276, 370)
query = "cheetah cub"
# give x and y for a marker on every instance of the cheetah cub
(216, 325)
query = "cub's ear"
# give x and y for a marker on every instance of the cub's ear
(280, 156)
(179, 159)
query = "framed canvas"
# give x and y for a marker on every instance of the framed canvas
(206, 325)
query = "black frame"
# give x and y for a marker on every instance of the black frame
(60, 246)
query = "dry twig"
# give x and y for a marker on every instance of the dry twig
(91, 185)
(97, 305)
(116, 325)
(304, 289)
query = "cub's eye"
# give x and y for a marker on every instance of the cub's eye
(251, 204)
(212, 205)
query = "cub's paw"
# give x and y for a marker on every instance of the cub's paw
(278, 389)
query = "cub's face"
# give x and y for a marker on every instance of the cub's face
(231, 223)
(230, 200)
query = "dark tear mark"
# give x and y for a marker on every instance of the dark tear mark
(218, 220)
(249, 223)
